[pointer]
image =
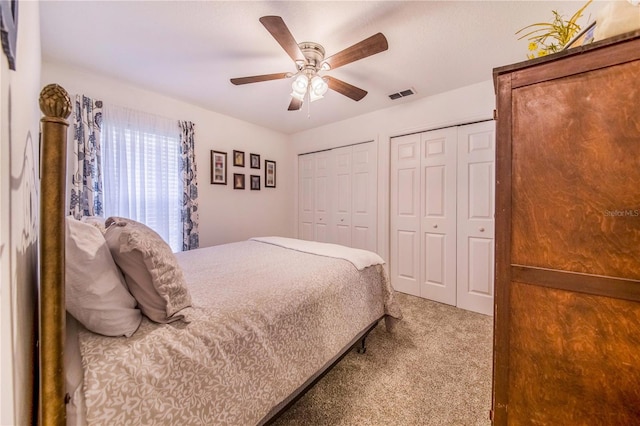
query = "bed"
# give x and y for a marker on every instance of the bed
(234, 335)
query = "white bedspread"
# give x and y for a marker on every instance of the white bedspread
(264, 320)
(359, 258)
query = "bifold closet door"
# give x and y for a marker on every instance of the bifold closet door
(423, 214)
(441, 215)
(338, 193)
(314, 175)
(354, 185)
(476, 207)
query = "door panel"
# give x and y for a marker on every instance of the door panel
(322, 188)
(404, 263)
(476, 200)
(438, 216)
(342, 190)
(364, 196)
(306, 197)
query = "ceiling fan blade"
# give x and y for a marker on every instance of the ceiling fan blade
(346, 89)
(259, 78)
(295, 104)
(375, 44)
(278, 29)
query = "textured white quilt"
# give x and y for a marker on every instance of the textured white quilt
(264, 320)
(359, 258)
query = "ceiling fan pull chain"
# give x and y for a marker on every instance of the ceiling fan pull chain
(308, 106)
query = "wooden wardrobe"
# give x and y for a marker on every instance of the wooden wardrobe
(567, 304)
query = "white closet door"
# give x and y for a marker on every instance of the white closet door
(438, 215)
(476, 201)
(306, 185)
(364, 214)
(322, 194)
(341, 188)
(404, 258)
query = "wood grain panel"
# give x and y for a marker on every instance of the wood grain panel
(592, 60)
(503, 214)
(576, 167)
(574, 358)
(619, 288)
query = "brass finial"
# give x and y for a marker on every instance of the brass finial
(55, 102)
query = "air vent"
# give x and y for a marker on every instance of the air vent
(402, 94)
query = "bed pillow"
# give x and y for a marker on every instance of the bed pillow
(95, 291)
(150, 269)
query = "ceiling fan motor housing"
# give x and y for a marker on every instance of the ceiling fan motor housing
(313, 53)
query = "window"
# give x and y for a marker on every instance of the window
(141, 163)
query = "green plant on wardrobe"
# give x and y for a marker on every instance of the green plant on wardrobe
(551, 37)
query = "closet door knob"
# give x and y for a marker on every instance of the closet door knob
(435, 226)
(481, 229)
(342, 220)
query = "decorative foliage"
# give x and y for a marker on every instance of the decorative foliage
(551, 37)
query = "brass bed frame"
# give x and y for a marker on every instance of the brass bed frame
(55, 105)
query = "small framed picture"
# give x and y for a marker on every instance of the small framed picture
(218, 167)
(269, 174)
(255, 182)
(238, 158)
(238, 181)
(254, 161)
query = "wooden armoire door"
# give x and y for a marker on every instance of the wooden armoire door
(567, 306)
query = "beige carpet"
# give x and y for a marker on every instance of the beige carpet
(435, 369)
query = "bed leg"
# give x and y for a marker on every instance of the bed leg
(362, 347)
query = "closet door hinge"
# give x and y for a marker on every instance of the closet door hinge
(495, 114)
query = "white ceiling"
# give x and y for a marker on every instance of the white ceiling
(190, 49)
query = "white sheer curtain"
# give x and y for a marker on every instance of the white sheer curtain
(141, 160)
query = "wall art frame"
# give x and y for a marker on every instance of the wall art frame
(255, 182)
(238, 158)
(238, 181)
(269, 174)
(254, 161)
(218, 167)
(9, 29)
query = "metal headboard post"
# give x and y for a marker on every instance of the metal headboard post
(55, 104)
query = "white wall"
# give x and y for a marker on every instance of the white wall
(19, 116)
(467, 104)
(226, 214)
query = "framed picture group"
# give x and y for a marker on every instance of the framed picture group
(219, 170)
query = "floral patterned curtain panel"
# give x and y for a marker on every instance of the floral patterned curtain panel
(86, 181)
(190, 216)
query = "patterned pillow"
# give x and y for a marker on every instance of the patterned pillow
(150, 269)
(95, 292)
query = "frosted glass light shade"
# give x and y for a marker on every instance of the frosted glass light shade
(318, 88)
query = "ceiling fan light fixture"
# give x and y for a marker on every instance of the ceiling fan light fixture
(300, 84)
(299, 87)
(318, 88)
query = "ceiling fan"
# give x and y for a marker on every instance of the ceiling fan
(309, 60)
